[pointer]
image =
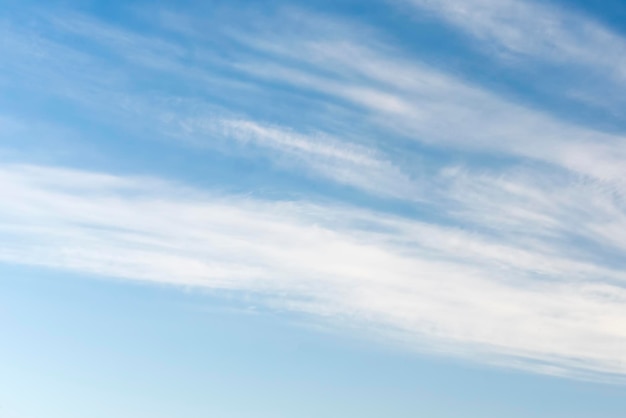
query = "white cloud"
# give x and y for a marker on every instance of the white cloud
(536, 29)
(432, 107)
(454, 290)
(317, 153)
(372, 83)
(535, 32)
(195, 122)
(519, 265)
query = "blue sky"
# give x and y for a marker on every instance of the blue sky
(299, 209)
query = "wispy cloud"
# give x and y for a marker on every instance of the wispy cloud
(536, 29)
(543, 33)
(435, 285)
(402, 96)
(517, 220)
(110, 95)
(438, 109)
(317, 153)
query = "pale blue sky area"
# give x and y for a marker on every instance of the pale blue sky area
(106, 349)
(404, 208)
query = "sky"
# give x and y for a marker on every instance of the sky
(337, 208)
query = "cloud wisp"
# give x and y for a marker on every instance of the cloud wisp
(528, 32)
(433, 285)
(518, 220)
(416, 101)
(98, 86)
(538, 30)
(367, 84)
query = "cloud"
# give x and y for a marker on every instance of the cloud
(411, 99)
(506, 247)
(538, 30)
(585, 52)
(110, 97)
(318, 153)
(370, 85)
(456, 290)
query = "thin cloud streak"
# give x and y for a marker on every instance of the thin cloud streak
(535, 29)
(403, 97)
(317, 153)
(195, 122)
(527, 32)
(440, 110)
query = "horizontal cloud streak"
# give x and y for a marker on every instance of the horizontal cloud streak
(426, 284)
(198, 123)
(374, 85)
(536, 29)
(409, 98)
(589, 54)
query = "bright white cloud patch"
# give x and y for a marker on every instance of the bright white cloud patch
(515, 295)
